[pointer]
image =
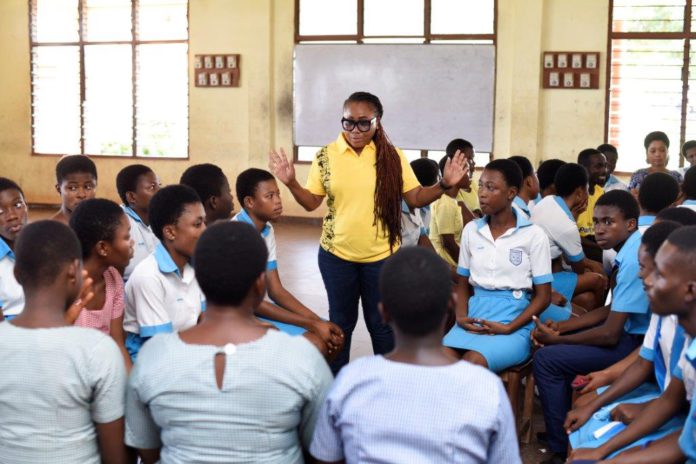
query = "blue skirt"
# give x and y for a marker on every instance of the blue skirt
(500, 351)
(564, 283)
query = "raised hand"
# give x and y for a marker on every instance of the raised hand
(85, 296)
(280, 166)
(455, 169)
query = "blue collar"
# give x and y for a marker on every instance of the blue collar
(538, 199)
(691, 352)
(629, 246)
(164, 260)
(521, 221)
(130, 212)
(243, 216)
(561, 202)
(646, 220)
(5, 250)
(404, 207)
(689, 202)
(521, 204)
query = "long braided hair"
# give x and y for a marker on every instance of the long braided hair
(389, 180)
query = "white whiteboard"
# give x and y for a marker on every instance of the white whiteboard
(431, 93)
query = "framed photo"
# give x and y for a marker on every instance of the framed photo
(208, 62)
(197, 62)
(591, 61)
(202, 80)
(214, 80)
(554, 79)
(562, 60)
(576, 61)
(226, 78)
(219, 62)
(568, 80)
(585, 80)
(231, 61)
(548, 60)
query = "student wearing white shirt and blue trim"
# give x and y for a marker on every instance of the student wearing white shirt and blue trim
(415, 222)
(259, 195)
(599, 338)
(633, 389)
(13, 217)
(136, 184)
(505, 276)
(526, 198)
(162, 295)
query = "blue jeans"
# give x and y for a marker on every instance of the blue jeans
(346, 284)
(556, 366)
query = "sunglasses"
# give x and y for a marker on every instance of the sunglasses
(364, 125)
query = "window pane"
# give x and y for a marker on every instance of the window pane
(691, 106)
(411, 154)
(395, 40)
(393, 17)
(328, 17)
(108, 100)
(462, 16)
(56, 99)
(307, 153)
(107, 20)
(163, 20)
(645, 96)
(55, 21)
(162, 96)
(648, 15)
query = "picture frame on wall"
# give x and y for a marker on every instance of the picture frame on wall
(568, 79)
(548, 60)
(562, 60)
(576, 61)
(591, 61)
(585, 80)
(554, 79)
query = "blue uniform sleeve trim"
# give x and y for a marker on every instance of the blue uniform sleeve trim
(272, 265)
(577, 258)
(678, 373)
(647, 354)
(462, 271)
(423, 231)
(542, 279)
(152, 330)
(203, 306)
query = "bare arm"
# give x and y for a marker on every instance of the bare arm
(424, 241)
(539, 302)
(589, 319)
(455, 169)
(450, 245)
(119, 336)
(607, 334)
(666, 450)
(111, 446)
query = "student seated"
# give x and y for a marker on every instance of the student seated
(530, 189)
(136, 184)
(612, 155)
(688, 153)
(556, 214)
(104, 233)
(596, 165)
(230, 389)
(76, 181)
(505, 276)
(467, 197)
(13, 218)
(415, 222)
(684, 216)
(689, 189)
(598, 338)
(420, 380)
(632, 389)
(62, 386)
(259, 196)
(162, 294)
(211, 184)
(546, 174)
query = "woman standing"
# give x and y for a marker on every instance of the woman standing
(364, 178)
(656, 155)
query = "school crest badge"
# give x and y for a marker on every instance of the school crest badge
(516, 256)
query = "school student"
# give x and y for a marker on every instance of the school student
(76, 181)
(104, 233)
(162, 294)
(546, 174)
(689, 189)
(529, 190)
(684, 216)
(13, 218)
(633, 389)
(136, 184)
(467, 196)
(612, 155)
(211, 184)
(259, 196)
(411, 390)
(596, 165)
(556, 215)
(62, 386)
(230, 389)
(598, 338)
(688, 153)
(505, 275)
(415, 222)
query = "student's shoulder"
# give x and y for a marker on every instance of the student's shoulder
(159, 349)
(145, 270)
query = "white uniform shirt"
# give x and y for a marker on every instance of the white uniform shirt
(159, 299)
(516, 260)
(552, 215)
(411, 225)
(144, 240)
(520, 205)
(668, 330)
(268, 235)
(11, 293)
(685, 370)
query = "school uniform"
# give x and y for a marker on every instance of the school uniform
(11, 293)
(691, 204)
(160, 299)
(268, 235)
(502, 273)
(144, 240)
(412, 226)
(663, 346)
(446, 219)
(555, 218)
(613, 183)
(522, 206)
(687, 373)
(608, 256)
(556, 366)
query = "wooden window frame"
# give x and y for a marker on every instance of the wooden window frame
(81, 43)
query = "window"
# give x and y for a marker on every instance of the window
(651, 68)
(110, 77)
(394, 22)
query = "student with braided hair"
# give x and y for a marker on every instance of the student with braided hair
(364, 177)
